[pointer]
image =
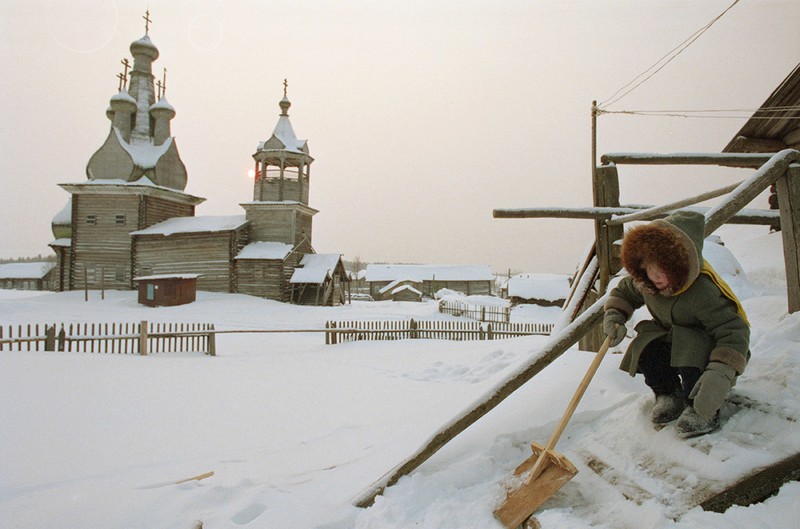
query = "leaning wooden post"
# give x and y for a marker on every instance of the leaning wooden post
(553, 349)
(50, 338)
(788, 188)
(143, 338)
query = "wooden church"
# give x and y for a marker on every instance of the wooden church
(132, 217)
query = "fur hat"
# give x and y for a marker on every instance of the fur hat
(674, 243)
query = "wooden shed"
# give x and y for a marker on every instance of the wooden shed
(167, 290)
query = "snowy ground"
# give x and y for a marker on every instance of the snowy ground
(294, 430)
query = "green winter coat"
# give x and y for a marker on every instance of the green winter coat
(698, 316)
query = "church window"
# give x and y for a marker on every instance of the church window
(91, 219)
(120, 219)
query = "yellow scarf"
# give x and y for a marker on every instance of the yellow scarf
(723, 287)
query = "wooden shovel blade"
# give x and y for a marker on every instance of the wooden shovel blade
(522, 500)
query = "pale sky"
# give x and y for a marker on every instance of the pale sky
(422, 115)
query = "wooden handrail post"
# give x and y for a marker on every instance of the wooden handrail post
(788, 188)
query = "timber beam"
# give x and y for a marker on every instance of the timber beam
(746, 216)
(721, 159)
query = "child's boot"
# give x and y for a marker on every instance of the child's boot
(668, 407)
(690, 424)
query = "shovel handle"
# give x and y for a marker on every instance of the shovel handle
(539, 466)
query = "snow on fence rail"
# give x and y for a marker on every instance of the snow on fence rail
(349, 331)
(476, 312)
(117, 338)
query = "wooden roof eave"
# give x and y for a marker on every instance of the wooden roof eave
(780, 130)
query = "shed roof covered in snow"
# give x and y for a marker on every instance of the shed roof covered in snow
(316, 268)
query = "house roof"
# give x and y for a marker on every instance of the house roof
(316, 268)
(393, 272)
(201, 224)
(35, 270)
(773, 123)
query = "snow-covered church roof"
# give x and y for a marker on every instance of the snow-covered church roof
(265, 250)
(283, 136)
(199, 224)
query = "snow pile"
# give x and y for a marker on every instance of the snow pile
(294, 430)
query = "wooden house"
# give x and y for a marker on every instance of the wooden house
(320, 279)
(28, 276)
(204, 245)
(469, 280)
(167, 290)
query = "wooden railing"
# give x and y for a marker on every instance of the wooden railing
(349, 331)
(115, 338)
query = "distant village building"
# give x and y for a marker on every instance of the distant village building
(546, 290)
(132, 217)
(469, 280)
(27, 276)
(406, 293)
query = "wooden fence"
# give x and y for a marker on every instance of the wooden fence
(348, 331)
(476, 312)
(115, 338)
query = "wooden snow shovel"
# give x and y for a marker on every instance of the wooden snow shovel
(547, 470)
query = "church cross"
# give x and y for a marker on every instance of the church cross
(163, 84)
(158, 84)
(147, 21)
(285, 86)
(123, 77)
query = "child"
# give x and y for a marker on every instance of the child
(697, 343)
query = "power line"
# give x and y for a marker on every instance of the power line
(662, 62)
(765, 113)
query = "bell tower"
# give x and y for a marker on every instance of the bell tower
(279, 211)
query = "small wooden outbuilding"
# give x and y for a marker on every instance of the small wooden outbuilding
(167, 290)
(320, 279)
